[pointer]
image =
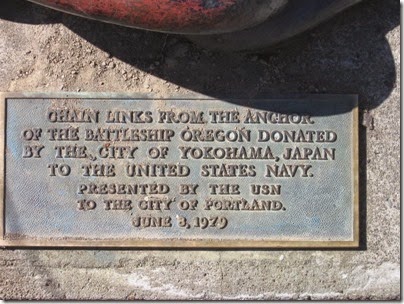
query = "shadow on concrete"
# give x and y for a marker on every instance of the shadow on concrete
(24, 12)
(347, 54)
(362, 188)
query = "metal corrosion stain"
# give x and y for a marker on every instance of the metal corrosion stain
(180, 16)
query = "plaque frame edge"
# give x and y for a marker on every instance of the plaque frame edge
(175, 244)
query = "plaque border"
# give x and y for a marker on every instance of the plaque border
(174, 243)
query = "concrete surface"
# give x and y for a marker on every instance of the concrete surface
(356, 52)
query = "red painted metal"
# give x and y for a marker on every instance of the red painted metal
(178, 16)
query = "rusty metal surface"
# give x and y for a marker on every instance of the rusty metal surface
(297, 17)
(314, 208)
(185, 16)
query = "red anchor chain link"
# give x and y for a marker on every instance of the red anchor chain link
(176, 16)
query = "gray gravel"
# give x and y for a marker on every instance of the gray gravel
(358, 51)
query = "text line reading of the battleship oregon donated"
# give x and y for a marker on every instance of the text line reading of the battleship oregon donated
(153, 162)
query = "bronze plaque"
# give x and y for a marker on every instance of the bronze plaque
(107, 170)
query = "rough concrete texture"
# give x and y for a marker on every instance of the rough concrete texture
(358, 51)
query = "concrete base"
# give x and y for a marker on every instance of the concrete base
(356, 52)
